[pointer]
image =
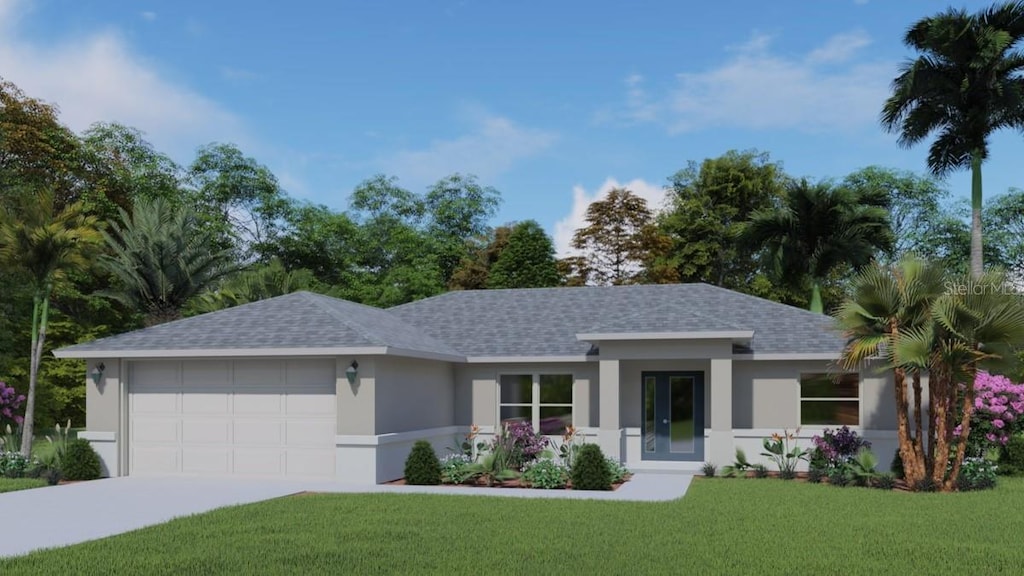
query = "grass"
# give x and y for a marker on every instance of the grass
(14, 484)
(721, 527)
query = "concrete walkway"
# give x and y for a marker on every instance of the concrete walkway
(74, 513)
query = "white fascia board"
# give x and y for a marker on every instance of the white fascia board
(422, 355)
(708, 335)
(788, 356)
(528, 359)
(221, 352)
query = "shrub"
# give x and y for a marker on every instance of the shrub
(709, 469)
(80, 461)
(839, 477)
(10, 404)
(457, 469)
(590, 471)
(617, 469)
(924, 485)
(998, 411)
(516, 445)
(976, 474)
(572, 441)
(837, 448)
(13, 464)
(739, 467)
(785, 456)
(815, 475)
(896, 467)
(1011, 461)
(787, 474)
(862, 467)
(884, 481)
(760, 471)
(422, 468)
(546, 474)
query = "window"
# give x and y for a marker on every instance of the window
(830, 399)
(545, 400)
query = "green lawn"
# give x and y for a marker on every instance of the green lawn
(722, 526)
(12, 484)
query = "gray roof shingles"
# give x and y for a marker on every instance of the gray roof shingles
(490, 323)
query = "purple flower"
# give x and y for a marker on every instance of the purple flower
(990, 437)
(998, 423)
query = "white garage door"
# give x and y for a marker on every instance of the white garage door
(244, 417)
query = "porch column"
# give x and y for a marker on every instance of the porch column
(722, 448)
(609, 432)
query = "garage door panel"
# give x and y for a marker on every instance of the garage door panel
(154, 431)
(154, 460)
(205, 461)
(308, 463)
(254, 462)
(250, 402)
(258, 433)
(308, 433)
(242, 417)
(205, 432)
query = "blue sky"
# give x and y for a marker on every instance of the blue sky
(552, 103)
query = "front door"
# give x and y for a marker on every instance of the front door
(673, 419)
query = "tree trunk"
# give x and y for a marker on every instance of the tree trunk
(40, 312)
(967, 409)
(912, 465)
(977, 261)
(941, 432)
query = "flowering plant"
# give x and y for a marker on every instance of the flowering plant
(836, 449)
(10, 402)
(522, 443)
(998, 409)
(786, 457)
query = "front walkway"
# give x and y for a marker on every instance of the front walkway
(74, 513)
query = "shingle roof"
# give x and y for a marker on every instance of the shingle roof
(487, 323)
(545, 321)
(300, 320)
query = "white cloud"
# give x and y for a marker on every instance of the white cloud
(581, 200)
(490, 149)
(826, 89)
(148, 16)
(97, 77)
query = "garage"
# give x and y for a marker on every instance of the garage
(251, 417)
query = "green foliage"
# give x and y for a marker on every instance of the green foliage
(760, 470)
(317, 239)
(884, 481)
(786, 457)
(422, 466)
(739, 467)
(590, 471)
(80, 461)
(527, 261)
(862, 467)
(258, 282)
(457, 469)
(13, 464)
(977, 474)
(896, 467)
(1011, 460)
(617, 469)
(816, 475)
(709, 469)
(840, 477)
(546, 474)
(457, 209)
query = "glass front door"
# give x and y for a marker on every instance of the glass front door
(673, 426)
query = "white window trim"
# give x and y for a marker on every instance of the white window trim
(801, 399)
(535, 403)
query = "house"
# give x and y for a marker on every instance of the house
(663, 377)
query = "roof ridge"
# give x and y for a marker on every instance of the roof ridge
(317, 300)
(773, 303)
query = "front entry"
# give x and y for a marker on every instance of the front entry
(673, 419)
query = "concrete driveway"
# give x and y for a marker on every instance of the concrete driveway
(72, 513)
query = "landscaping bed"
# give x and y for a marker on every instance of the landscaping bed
(513, 483)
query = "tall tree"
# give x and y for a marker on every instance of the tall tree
(239, 195)
(259, 282)
(818, 230)
(528, 261)
(47, 244)
(914, 206)
(318, 239)
(919, 320)
(620, 243)
(160, 257)
(707, 203)
(965, 85)
(475, 268)
(458, 209)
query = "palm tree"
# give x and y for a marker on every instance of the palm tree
(816, 231)
(258, 282)
(160, 257)
(918, 320)
(965, 84)
(47, 246)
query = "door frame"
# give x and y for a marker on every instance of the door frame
(698, 416)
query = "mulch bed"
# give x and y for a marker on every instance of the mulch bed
(899, 486)
(506, 484)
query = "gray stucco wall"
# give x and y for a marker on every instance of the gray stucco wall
(766, 394)
(102, 401)
(413, 394)
(476, 389)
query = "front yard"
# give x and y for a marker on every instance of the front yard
(13, 484)
(721, 527)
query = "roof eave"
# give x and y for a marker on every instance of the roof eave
(692, 335)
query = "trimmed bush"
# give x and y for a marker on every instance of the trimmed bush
(80, 462)
(422, 468)
(590, 471)
(1011, 461)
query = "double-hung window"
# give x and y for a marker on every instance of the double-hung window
(830, 399)
(544, 400)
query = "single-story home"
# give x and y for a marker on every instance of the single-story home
(662, 377)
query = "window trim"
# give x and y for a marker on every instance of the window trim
(801, 399)
(535, 404)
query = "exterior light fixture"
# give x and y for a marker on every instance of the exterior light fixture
(352, 371)
(97, 373)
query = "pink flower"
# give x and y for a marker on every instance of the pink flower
(956, 431)
(998, 423)
(990, 437)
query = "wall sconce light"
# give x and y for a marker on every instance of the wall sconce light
(352, 371)
(97, 373)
